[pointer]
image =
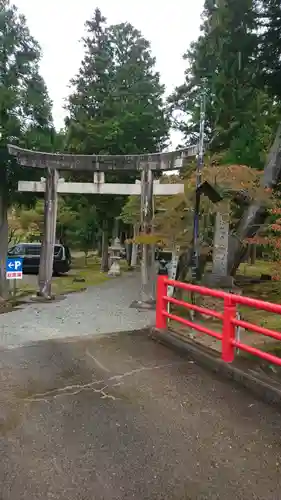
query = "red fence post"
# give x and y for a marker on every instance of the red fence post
(228, 332)
(161, 305)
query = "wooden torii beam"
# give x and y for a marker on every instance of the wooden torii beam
(99, 186)
(52, 163)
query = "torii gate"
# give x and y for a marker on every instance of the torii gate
(99, 165)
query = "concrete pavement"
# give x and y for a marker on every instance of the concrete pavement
(123, 417)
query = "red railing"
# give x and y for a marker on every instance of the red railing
(229, 318)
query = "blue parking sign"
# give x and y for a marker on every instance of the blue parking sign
(14, 268)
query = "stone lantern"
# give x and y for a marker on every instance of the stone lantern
(114, 254)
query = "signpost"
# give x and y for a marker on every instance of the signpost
(14, 270)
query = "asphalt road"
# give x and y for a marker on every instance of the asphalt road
(122, 417)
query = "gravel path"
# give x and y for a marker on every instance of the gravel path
(101, 309)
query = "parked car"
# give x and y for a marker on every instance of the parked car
(30, 252)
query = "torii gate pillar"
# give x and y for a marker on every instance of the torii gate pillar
(49, 238)
(147, 262)
(98, 165)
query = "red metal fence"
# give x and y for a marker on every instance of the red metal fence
(229, 317)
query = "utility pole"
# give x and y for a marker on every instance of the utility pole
(200, 162)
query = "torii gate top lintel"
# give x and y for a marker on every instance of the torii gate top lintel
(53, 163)
(101, 163)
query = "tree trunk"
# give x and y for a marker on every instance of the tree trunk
(134, 259)
(253, 253)
(254, 216)
(99, 245)
(86, 257)
(184, 267)
(4, 287)
(129, 248)
(115, 232)
(104, 257)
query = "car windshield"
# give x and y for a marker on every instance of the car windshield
(15, 250)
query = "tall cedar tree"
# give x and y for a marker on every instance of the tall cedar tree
(25, 110)
(117, 102)
(224, 60)
(270, 54)
(116, 106)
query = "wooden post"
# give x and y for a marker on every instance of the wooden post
(49, 237)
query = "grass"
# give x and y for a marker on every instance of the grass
(268, 291)
(260, 267)
(88, 272)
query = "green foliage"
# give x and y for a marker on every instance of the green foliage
(131, 210)
(77, 223)
(25, 108)
(224, 63)
(270, 46)
(117, 103)
(25, 112)
(78, 226)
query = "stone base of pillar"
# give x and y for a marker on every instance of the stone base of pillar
(114, 269)
(147, 305)
(213, 280)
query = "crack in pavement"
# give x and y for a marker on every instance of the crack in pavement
(142, 369)
(97, 362)
(66, 391)
(44, 397)
(73, 390)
